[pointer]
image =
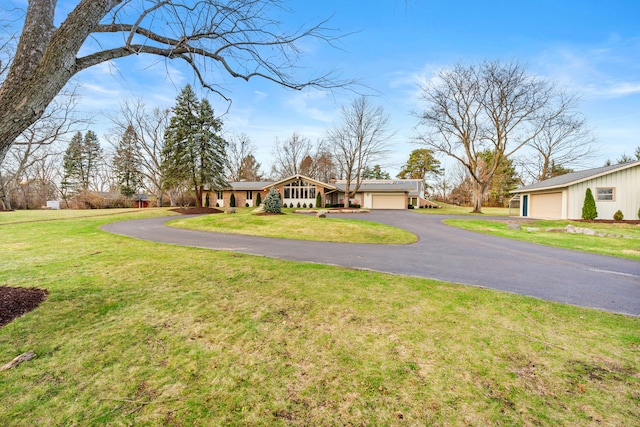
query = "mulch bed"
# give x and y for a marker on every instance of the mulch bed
(14, 302)
(196, 211)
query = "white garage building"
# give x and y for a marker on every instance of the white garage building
(614, 188)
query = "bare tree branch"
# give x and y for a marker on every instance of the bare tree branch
(239, 38)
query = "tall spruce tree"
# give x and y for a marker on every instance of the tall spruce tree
(127, 163)
(80, 162)
(194, 152)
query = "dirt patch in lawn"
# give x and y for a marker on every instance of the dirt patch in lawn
(196, 211)
(14, 302)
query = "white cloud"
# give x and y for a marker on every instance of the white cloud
(608, 69)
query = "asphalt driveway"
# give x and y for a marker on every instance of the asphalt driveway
(444, 253)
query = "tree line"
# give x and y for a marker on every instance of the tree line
(177, 153)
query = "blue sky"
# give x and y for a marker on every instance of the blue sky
(589, 47)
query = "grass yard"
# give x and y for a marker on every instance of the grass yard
(140, 333)
(300, 227)
(615, 246)
(463, 210)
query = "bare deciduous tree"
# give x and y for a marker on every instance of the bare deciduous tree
(491, 106)
(361, 138)
(149, 125)
(564, 142)
(241, 161)
(32, 145)
(289, 155)
(236, 37)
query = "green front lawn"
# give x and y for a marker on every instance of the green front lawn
(299, 226)
(447, 209)
(141, 333)
(615, 246)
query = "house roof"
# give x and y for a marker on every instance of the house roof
(412, 186)
(250, 185)
(572, 178)
(379, 187)
(301, 177)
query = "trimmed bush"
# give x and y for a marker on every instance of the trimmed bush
(618, 216)
(272, 202)
(258, 199)
(232, 201)
(589, 210)
(304, 205)
(298, 205)
(206, 201)
(319, 200)
(217, 205)
(246, 205)
(310, 205)
(638, 213)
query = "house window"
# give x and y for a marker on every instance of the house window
(220, 195)
(249, 195)
(299, 190)
(606, 194)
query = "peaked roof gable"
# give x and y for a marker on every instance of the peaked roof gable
(301, 177)
(572, 178)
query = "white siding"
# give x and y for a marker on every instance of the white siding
(627, 195)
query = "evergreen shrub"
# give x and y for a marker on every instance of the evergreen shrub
(618, 216)
(589, 210)
(272, 202)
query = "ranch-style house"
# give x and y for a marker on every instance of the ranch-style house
(300, 190)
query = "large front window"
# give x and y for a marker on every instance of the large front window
(299, 190)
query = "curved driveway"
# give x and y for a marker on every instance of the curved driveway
(444, 253)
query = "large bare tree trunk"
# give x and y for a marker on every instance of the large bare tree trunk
(45, 60)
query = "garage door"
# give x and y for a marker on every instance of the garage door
(388, 201)
(546, 205)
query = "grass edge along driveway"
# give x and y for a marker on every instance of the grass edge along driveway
(535, 231)
(141, 333)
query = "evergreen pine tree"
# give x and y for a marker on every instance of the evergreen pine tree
(71, 162)
(258, 199)
(232, 200)
(589, 211)
(80, 162)
(318, 200)
(194, 152)
(127, 163)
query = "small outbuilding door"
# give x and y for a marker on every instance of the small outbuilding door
(525, 205)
